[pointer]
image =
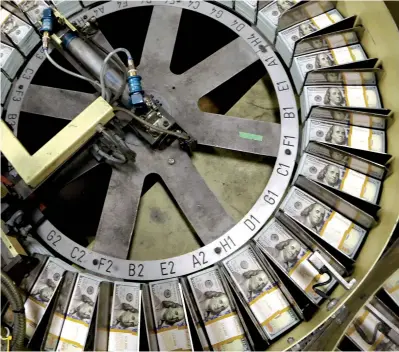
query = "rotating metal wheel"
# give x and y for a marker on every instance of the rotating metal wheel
(170, 213)
(187, 71)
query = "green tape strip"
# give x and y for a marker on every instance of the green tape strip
(254, 137)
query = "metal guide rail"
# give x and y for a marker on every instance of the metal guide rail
(265, 273)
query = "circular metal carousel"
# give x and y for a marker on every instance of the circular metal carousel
(235, 181)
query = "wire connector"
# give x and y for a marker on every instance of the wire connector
(47, 26)
(135, 90)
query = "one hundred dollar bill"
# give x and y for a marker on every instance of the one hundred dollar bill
(327, 41)
(328, 224)
(33, 9)
(247, 8)
(367, 332)
(195, 316)
(343, 135)
(125, 317)
(353, 96)
(10, 60)
(273, 11)
(292, 257)
(292, 34)
(80, 313)
(349, 117)
(265, 299)
(20, 33)
(222, 323)
(339, 177)
(329, 58)
(391, 286)
(169, 314)
(346, 159)
(41, 294)
(61, 305)
(14, 27)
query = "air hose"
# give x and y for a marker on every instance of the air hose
(12, 294)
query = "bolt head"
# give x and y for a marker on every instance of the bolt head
(171, 161)
(166, 123)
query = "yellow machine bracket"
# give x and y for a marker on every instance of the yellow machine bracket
(34, 169)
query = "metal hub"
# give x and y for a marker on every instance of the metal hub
(179, 94)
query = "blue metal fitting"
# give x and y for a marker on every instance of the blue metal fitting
(67, 38)
(135, 91)
(47, 20)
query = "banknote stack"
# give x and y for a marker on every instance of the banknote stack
(170, 315)
(5, 87)
(223, 325)
(261, 292)
(56, 321)
(26, 286)
(287, 38)
(125, 317)
(80, 313)
(194, 313)
(10, 60)
(33, 9)
(149, 321)
(353, 96)
(343, 135)
(327, 41)
(391, 287)
(292, 257)
(41, 294)
(269, 16)
(368, 333)
(376, 119)
(20, 33)
(329, 225)
(67, 7)
(303, 64)
(248, 9)
(346, 159)
(339, 177)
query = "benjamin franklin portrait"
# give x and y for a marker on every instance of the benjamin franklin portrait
(255, 282)
(306, 28)
(330, 175)
(324, 60)
(334, 97)
(312, 217)
(286, 253)
(337, 135)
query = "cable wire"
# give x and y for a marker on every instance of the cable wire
(12, 294)
(119, 63)
(102, 72)
(150, 126)
(70, 72)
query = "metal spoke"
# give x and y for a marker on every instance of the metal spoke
(160, 40)
(100, 39)
(215, 70)
(234, 133)
(198, 203)
(55, 102)
(119, 213)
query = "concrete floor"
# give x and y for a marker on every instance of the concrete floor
(161, 231)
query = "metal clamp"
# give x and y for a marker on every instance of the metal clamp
(319, 262)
